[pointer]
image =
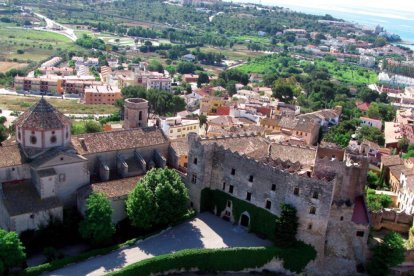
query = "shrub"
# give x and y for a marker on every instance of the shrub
(228, 259)
(286, 226)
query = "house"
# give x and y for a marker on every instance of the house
(366, 121)
(189, 78)
(189, 57)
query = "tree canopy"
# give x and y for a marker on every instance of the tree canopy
(160, 198)
(11, 250)
(286, 226)
(97, 226)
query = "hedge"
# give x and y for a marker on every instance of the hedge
(228, 259)
(262, 222)
(54, 265)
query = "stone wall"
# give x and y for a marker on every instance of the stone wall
(391, 220)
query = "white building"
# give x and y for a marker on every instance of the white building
(176, 127)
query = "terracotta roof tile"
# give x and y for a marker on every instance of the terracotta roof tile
(118, 140)
(42, 115)
(116, 188)
(11, 156)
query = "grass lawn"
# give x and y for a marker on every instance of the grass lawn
(351, 74)
(22, 103)
(37, 45)
(238, 52)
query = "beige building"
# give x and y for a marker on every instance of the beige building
(104, 94)
(176, 127)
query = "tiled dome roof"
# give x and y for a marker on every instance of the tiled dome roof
(42, 116)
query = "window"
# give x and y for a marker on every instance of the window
(248, 196)
(310, 226)
(296, 191)
(228, 203)
(194, 178)
(33, 139)
(360, 233)
(224, 186)
(231, 189)
(62, 177)
(195, 161)
(342, 218)
(53, 139)
(315, 195)
(312, 210)
(140, 116)
(273, 187)
(268, 204)
(251, 178)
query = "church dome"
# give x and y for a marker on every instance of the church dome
(42, 126)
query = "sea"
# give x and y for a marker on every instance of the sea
(399, 21)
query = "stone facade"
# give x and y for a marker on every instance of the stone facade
(328, 198)
(136, 113)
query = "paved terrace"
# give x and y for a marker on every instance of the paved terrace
(205, 231)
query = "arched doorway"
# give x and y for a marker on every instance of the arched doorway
(245, 220)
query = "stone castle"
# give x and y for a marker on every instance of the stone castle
(325, 185)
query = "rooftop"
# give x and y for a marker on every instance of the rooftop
(42, 116)
(116, 188)
(118, 140)
(10, 156)
(21, 198)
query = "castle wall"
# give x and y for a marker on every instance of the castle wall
(217, 168)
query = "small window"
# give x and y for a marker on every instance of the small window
(310, 226)
(228, 203)
(273, 187)
(191, 204)
(296, 191)
(342, 218)
(312, 210)
(195, 161)
(62, 177)
(231, 189)
(315, 195)
(251, 178)
(268, 204)
(33, 139)
(233, 171)
(360, 233)
(53, 139)
(248, 196)
(224, 186)
(194, 178)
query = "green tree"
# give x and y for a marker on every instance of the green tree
(403, 144)
(202, 78)
(282, 90)
(286, 226)
(3, 133)
(93, 126)
(97, 226)
(387, 254)
(372, 134)
(11, 250)
(159, 198)
(380, 42)
(377, 202)
(185, 67)
(372, 179)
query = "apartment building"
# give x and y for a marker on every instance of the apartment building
(102, 94)
(176, 127)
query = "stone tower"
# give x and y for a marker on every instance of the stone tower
(136, 113)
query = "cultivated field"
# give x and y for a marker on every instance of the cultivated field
(22, 103)
(6, 66)
(25, 45)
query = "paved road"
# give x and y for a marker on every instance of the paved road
(54, 27)
(205, 231)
